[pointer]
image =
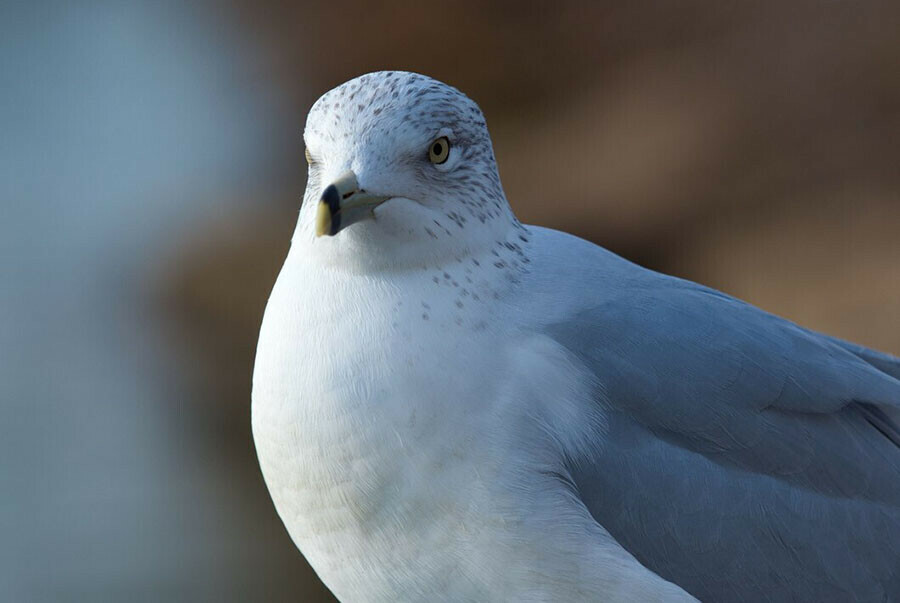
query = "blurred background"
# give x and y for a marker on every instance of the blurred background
(151, 167)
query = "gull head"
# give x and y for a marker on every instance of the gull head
(401, 171)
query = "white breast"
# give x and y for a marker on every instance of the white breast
(364, 470)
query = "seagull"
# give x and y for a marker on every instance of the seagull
(450, 405)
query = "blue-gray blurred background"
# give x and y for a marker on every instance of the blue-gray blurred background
(151, 165)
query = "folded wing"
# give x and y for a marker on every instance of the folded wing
(746, 458)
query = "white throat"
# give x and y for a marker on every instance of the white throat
(402, 235)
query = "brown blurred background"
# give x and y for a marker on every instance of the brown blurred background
(151, 165)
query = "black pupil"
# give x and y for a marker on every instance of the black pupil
(438, 148)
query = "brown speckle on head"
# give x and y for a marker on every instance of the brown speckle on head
(383, 127)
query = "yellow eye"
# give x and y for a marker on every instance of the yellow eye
(309, 158)
(439, 150)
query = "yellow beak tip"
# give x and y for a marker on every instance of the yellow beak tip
(323, 220)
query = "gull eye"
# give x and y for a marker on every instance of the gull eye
(439, 150)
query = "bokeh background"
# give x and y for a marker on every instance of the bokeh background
(151, 165)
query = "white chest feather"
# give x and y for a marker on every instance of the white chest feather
(366, 471)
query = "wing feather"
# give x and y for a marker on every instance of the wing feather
(746, 458)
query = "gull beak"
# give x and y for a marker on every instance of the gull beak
(344, 203)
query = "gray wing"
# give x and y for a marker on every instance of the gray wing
(746, 459)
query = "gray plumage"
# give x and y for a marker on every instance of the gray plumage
(744, 458)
